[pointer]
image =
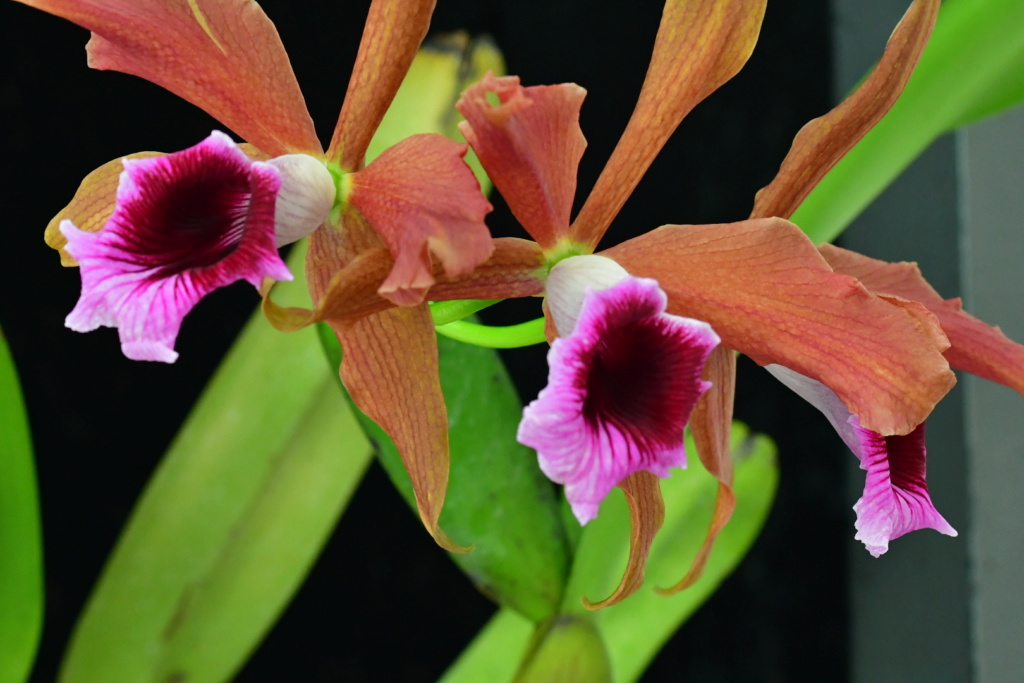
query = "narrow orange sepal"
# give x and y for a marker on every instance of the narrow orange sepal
(711, 425)
(647, 513)
(822, 142)
(701, 44)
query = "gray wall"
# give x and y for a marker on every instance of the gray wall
(936, 608)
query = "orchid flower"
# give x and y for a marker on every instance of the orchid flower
(155, 233)
(760, 284)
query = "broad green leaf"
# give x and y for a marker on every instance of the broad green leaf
(635, 629)
(232, 520)
(21, 551)
(497, 499)
(973, 67)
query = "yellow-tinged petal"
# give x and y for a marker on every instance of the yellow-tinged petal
(767, 292)
(92, 206)
(822, 142)
(701, 44)
(224, 56)
(711, 424)
(647, 513)
(393, 33)
(974, 346)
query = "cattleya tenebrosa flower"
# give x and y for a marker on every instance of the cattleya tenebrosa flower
(882, 349)
(146, 265)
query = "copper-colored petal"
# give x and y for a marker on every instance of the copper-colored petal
(647, 513)
(530, 144)
(390, 368)
(394, 30)
(711, 424)
(768, 293)
(974, 346)
(224, 56)
(92, 206)
(351, 294)
(514, 269)
(701, 44)
(423, 201)
(822, 142)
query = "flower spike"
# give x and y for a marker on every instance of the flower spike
(896, 499)
(185, 224)
(622, 385)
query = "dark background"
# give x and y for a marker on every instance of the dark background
(101, 422)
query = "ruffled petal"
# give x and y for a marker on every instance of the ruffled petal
(423, 201)
(896, 499)
(821, 143)
(974, 346)
(701, 44)
(765, 289)
(185, 224)
(620, 389)
(224, 56)
(393, 32)
(530, 143)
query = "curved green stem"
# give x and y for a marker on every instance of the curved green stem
(445, 312)
(503, 337)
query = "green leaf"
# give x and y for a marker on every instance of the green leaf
(497, 499)
(635, 629)
(232, 520)
(21, 551)
(973, 67)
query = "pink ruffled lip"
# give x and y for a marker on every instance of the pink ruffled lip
(185, 224)
(896, 500)
(621, 388)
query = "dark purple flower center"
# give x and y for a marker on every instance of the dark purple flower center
(189, 215)
(641, 382)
